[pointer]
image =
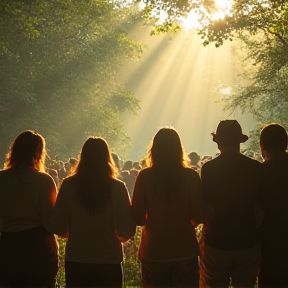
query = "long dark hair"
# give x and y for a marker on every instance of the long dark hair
(93, 173)
(167, 158)
(29, 148)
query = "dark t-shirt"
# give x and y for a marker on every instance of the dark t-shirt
(232, 182)
(274, 229)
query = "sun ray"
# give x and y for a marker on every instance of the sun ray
(178, 82)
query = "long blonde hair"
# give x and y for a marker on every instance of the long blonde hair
(29, 148)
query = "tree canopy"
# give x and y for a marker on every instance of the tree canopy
(262, 28)
(59, 59)
(58, 63)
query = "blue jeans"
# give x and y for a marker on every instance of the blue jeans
(184, 273)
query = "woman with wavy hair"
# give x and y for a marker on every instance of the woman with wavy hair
(166, 202)
(28, 252)
(93, 212)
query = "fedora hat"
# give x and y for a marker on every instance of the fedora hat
(229, 131)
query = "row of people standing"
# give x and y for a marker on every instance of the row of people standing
(93, 211)
(244, 211)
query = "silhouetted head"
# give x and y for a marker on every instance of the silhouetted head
(128, 165)
(95, 157)
(29, 148)
(194, 158)
(273, 138)
(136, 165)
(167, 149)
(229, 132)
(72, 161)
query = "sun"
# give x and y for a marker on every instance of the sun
(223, 8)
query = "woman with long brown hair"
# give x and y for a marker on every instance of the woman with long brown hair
(93, 212)
(166, 202)
(28, 252)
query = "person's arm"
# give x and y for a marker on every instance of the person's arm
(125, 226)
(58, 222)
(48, 195)
(207, 203)
(196, 199)
(139, 202)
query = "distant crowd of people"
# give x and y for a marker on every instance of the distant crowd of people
(96, 201)
(128, 170)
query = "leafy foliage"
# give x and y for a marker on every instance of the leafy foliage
(261, 30)
(60, 278)
(265, 51)
(172, 11)
(261, 27)
(58, 63)
(131, 266)
(242, 17)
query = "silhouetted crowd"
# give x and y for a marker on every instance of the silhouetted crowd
(97, 200)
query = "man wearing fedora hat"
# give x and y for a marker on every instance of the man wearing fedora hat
(232, 188)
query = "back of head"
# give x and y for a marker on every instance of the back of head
(194, 158)
(167, 159)
(128, 165)
(72, 161)
(229, 132)
(166, 149)
(93, 172)
(136, 165)
(273, 137)
(96, 158)
(28, 149)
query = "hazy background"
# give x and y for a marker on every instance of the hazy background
(180, 83)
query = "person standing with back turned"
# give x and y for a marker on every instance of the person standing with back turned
(166, 202)
(232, 187)
(274, 228)
(28, 252)
(93, 212)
